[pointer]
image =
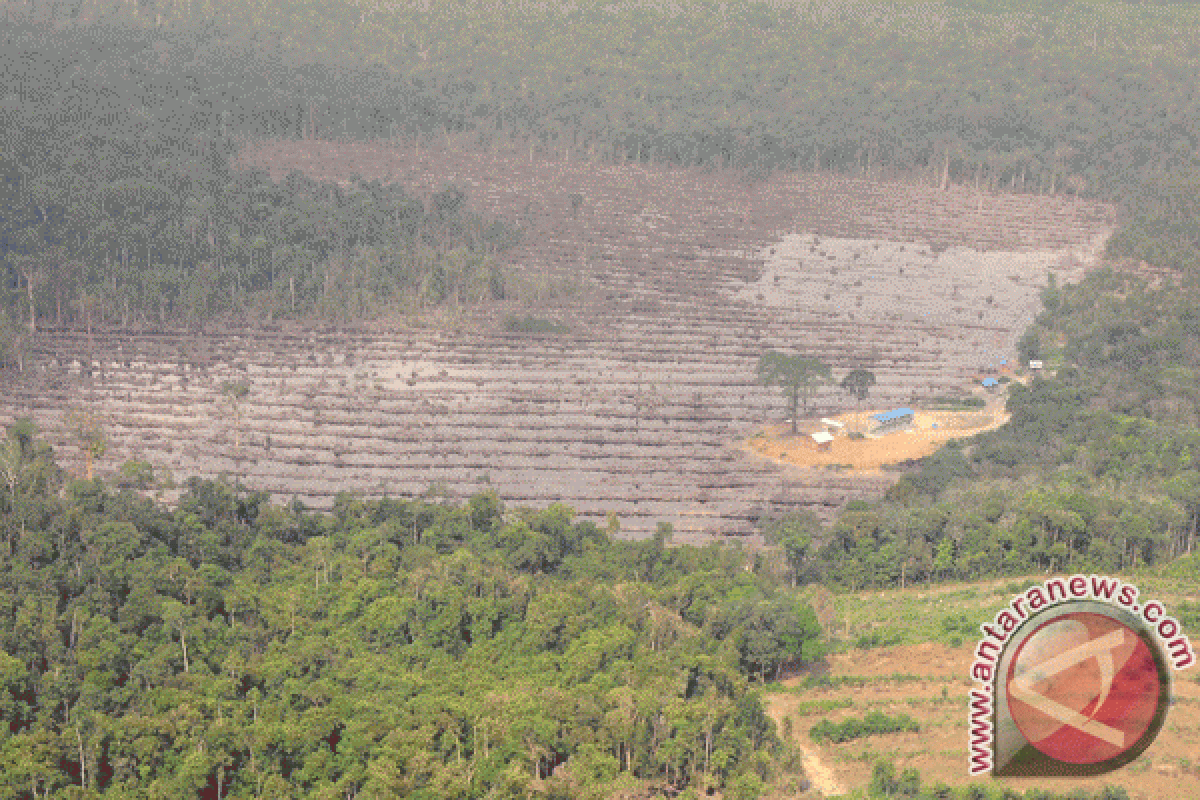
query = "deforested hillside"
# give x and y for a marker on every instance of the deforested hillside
(666, 284)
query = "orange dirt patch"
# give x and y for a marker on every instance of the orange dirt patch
(929, 432)
(1166, 771)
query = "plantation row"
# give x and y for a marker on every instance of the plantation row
(629, 410)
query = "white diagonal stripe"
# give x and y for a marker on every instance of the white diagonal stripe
(1022, 686)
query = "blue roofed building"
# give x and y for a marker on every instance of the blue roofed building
(894, 420)
(991, 384)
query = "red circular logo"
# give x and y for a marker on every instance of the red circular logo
(1084, 688)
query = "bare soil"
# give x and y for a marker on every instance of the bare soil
(927, 678)
(672, 282)
(1169, 770)
(929, 432)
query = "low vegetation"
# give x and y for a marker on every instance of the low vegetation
(531, 324)
(885, 783)
(872, 724)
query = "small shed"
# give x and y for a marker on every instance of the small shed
(822, 440)
(1035, 364)
(894, 420)
(991, 384)
(833, 426)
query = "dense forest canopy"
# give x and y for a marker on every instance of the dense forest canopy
(393, 648)
(407, 648)
(1095, 470)
(1087, 97)
(119, 204)
(117, 125)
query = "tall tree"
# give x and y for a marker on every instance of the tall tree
(858, 383)
(89, 431)
(798, 375)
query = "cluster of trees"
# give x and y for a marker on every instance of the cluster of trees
(139, 217)
(1087, 99)
(391, 648)
(1164, 223)
(801, 377)
(1097, 468)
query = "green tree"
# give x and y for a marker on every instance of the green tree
(857, 384)
(798, 375)
(88, 428)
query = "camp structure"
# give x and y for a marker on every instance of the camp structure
(833, 426)
(822, 440)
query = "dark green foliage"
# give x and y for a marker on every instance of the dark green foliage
(799, 376)
(392, 647)
(873, 724)
(954, 402)
(119, 201)
(869, 641)
(530, 324)
(136, 475)
(978, 97)
(883, 780)
(1094, 471)
(1164, 226)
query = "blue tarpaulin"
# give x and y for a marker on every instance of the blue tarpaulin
(888, 416)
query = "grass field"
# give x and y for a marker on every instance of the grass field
(922, 670)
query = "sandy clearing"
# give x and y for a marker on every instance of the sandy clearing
(929, 432)
(823, 778)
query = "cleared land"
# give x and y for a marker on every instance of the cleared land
(927, 677)
(929, 432)
(682, 279)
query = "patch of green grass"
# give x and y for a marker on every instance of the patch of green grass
(823, 706)
(858, 681)
(878, 638)
(952, 614)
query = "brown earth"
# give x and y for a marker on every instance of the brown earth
(929, 432)
(929, 681)
(672, 284)
(1167, 771)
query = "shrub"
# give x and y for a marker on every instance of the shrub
(875, 639)
(883, 780)
(136, 475)
(876, 722)
(947, 401)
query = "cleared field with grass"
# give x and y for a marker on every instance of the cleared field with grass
(909, 652)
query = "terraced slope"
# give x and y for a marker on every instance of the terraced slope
(692, 276)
